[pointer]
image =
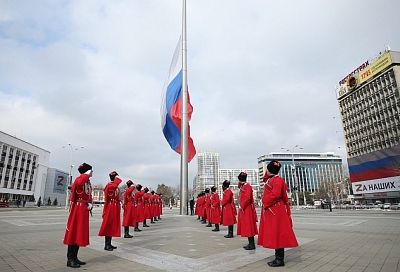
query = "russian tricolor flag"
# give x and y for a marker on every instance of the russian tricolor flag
(171, 106)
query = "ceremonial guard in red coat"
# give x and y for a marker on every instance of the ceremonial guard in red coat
(228, 212)
(215, 208)
(146, 206)
(129, 219)
(111, 225)
(139, 206)
(160, 205)
(77, 231)
(276, 228)
(154, 206)
(196, 209)
(247, 217)
(207, 206)
(200, 206)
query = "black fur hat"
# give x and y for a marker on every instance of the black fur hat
(274, 166)
(242, 176)
(226, 184)
(84, 167)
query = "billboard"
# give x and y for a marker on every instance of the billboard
(380, 64)
(363, 73)
(376, 172)
(60, 182)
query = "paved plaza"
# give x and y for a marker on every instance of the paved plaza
(342, 240)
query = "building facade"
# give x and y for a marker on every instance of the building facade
(369, 102)
(232, 176)
(23, 169)
(305, 172)
(98, 194)
(209, 174)
(207, 171)
(56, 186)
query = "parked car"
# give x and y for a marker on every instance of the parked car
(378, 204)
(386, 206)
(395, 206)
(370, 206)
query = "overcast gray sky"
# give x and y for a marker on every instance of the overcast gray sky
(261, 74)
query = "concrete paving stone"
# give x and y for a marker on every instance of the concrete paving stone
(341, 241)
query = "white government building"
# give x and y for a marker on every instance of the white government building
(25, 174)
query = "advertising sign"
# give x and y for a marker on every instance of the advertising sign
(377, 185)
(376, 172)
(60, 182)
(381, 63)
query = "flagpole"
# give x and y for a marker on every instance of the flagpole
(184, 121)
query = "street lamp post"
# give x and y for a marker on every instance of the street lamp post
(70, 166)
(296, 183)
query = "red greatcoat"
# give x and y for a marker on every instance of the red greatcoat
(139, 206)
(276, 229)
(228, 213)
(200, 206)
(111, 225)
(247, 217)
(215, 209)
(129, 219)
(207, 206)
(161, 204)
(153, 205)
(77, 231)
(147, 205)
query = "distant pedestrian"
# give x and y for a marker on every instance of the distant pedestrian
(191, 204)
(276, 228)
(247, 217)
(77, 231)
(228, 211)
(111, 225)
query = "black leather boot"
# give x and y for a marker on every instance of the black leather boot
(108, 244)
(230, 232)
(127, 235)
(113, 247)
(137, 228)
(76, 256)
(251, 244)
(145, 224)
(279, 258)
(155, 219)
(71, 257)
(216, 227)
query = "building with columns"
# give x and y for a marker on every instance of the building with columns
(305, 172)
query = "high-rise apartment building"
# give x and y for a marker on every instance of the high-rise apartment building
(305, 172)
(232, 176)
(209, 174)
(207, 171)
(369, 101)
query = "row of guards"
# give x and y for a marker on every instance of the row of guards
(139, 205)
(275, 229)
